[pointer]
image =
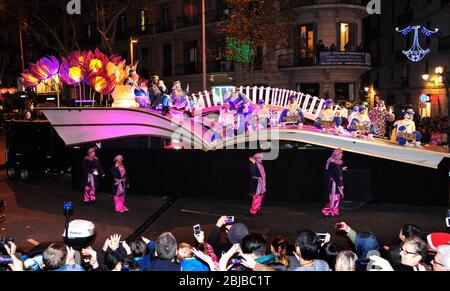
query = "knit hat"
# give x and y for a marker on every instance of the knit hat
(237, 232)
(260, 102)
(438, 239)
(118, 158)
(362, 108)
(292, 97)
(329, 102)
(91, 150)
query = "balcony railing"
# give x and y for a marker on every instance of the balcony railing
(326, 59)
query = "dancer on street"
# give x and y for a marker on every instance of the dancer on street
(92, 170)
(334, 172)
(120, 184)
(257, 183)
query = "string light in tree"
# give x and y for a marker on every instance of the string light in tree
(238, 51)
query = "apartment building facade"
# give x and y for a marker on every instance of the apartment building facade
(169, 45)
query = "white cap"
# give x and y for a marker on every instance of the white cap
(80, 229)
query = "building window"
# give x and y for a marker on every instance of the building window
(312, 89)
(190, 11)
(190, 57)
(167, 60)
(143, 21)
(223, 12)
(122, 23)
(346, 40)
(165, 16)
(344, 92)
(306, 51)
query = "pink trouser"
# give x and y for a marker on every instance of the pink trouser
(119, 203)
(332, 208)
(89, 194)
(256, 204)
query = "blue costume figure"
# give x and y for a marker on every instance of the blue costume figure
(406, 130)
(355, 111)
(243, 107)
(157, 95)
(361, 124)
(293, 114)
(327, 118)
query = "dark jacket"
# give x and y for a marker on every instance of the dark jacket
(214, 240)
(116, 175)
(156, 94)
(145, 263)
(254, 173)
(159, 265)
(89, 166)
(335, 173)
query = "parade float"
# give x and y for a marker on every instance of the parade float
(109, 109)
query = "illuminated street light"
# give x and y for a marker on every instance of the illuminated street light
(367, 89)
(439, 70)
(425, 77)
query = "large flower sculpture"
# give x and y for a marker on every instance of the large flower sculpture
(44, 69)
(29, 80)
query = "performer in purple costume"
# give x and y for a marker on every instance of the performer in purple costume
(334, 173)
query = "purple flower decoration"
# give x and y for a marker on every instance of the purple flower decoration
(45, 68)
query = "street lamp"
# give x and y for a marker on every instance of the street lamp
(439, 70)
(204, 45)
(425, 77)
(132, 43)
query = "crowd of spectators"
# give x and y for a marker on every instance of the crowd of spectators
(233, 247)
(434, 130)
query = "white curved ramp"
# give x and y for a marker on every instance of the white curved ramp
(89, 125)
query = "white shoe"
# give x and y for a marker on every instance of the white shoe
(418, 145)
(354, 134)
(370, 137)
(300, 126)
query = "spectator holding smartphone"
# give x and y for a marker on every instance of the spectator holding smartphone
(221, 241)
(307, 245)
